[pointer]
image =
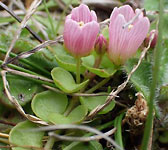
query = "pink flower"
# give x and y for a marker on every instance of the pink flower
(124, 42)
(101, 45)
(80, 31)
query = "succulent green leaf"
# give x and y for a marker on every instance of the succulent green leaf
(106, 69)
(76, 116)
(64, 80)
(92, 102)
(48, 102)
(23, 138)
(23, 90)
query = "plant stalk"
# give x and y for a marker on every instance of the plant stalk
(97, 86)
(78, 63)
(49, 143)
(155, 75)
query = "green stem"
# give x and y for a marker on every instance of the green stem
(118, 134)
(30, 72)
(49, 143)
(27, 62)
(62, 15)
(71, 105)
(78, 63)
(155, 75)
(96, 65)
(49, 18)
(98, 61)
(97, 86)
(2, 140)
(19, 68)
(104, 126)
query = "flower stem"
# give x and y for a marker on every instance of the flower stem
(97, 86)
(49, 18)
(30, 72)
(78, 63)
(96, 65)
(62, 15)
(71, 105)
(155, 75)
(49, 143)
(27, 62)
(118, 134)
(98, 61)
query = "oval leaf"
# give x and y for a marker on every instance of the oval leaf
(48, 102)
(68, 63)
(23, 90)
(20, 136)
(64, 80)
(106, 69)
(92, 102)
(65, 60)
(76, 116)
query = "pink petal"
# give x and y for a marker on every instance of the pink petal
(89, 32)
(81, 13)
(94, 17)
(117, 38)
(127, 12)
(71, 32)
(79, 41)
(114, 14)
(85, 42)
(123, 43)
(137, 35)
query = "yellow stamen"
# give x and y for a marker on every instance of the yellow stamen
(81, 23)
(130, 27)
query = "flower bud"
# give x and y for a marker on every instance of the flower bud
(101, 45)
(154, 41)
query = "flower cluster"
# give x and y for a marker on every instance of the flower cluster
(81, 33)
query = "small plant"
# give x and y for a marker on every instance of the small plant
(75, 82)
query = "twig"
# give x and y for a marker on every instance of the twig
(19, 4)
(27, 75)
(82, 139)
(133, 19)
(20, 20)
(62, 5)
(80, 127)
(77, 94)
(7, 123)
(11, 98)
(4, 135)
(36, 49)
(15, 102)
(30, 12)
(104, 23)
(122, 86)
